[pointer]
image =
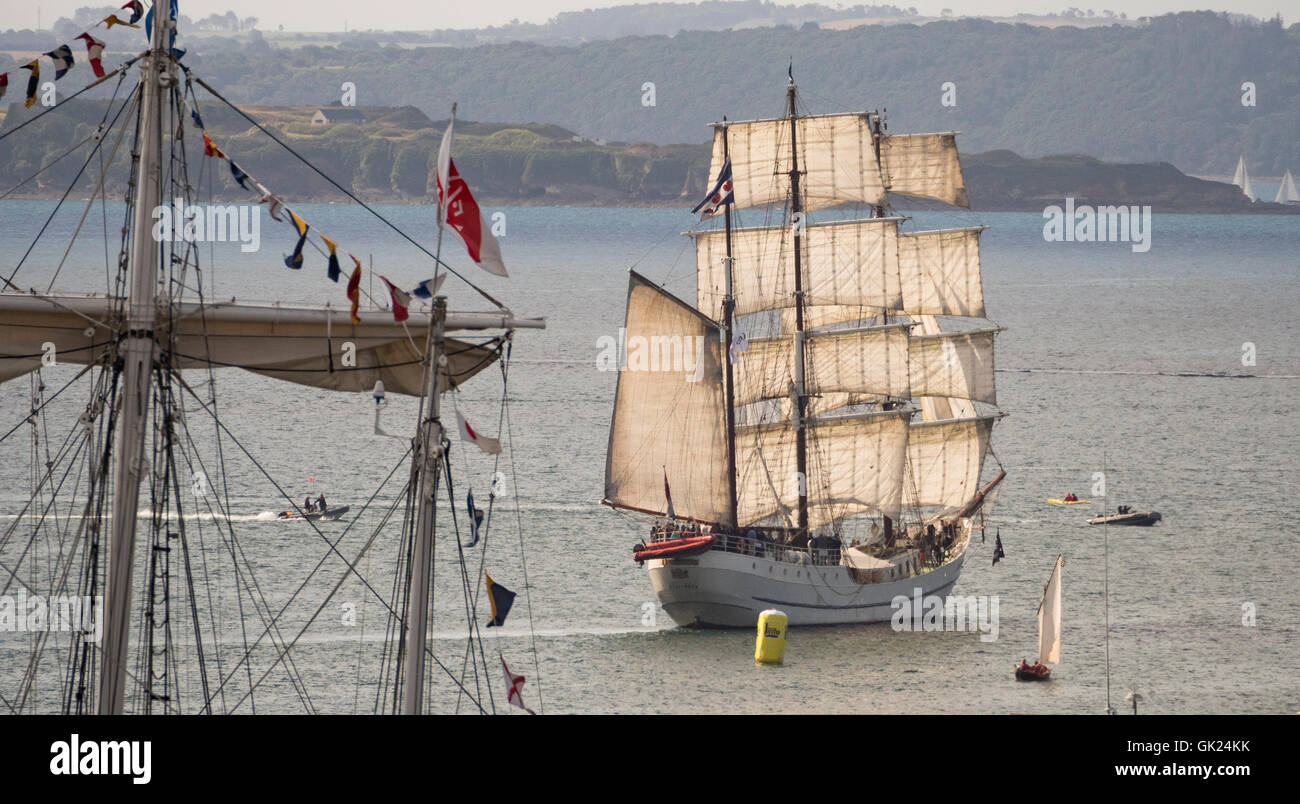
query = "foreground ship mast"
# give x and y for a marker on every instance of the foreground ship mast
(855, 400)
(132, 433)
(137, 366)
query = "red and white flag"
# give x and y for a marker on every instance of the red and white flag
(515, 685)
(95, 52)
(458, 211)
(491, 446)
(401, 300)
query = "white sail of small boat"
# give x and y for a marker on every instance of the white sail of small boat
(1242, 178)
(1286, 191)
(1049, 617)
(832, 459)
(1049, 630)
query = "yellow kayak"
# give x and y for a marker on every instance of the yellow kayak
(1057, 501)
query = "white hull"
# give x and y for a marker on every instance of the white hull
(721, 589)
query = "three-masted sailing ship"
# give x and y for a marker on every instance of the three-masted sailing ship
(811, 432)
(127, 457)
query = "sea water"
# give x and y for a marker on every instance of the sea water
(1131, 363)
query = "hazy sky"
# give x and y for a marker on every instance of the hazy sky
(329, 15)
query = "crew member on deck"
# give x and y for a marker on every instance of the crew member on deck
(307, 506)
(320, 503)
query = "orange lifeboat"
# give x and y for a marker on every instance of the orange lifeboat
(672, 548)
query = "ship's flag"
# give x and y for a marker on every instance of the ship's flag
(137, 9)
(515, 684)
(210, 148)
(4, 83)
(491, 446)
(429, 287)
(501, 600)
(95, 54)
(63, 61)
(239, 175)
(401, 300)
(34, 82)
(294, 260)
(459, 212)
(721, 194)
(354, 289)
(274, 204)
(475, 522)
(997, 549)
(668, 496)
(739, 343)
(334, 271)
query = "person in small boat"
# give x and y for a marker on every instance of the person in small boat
(307, 507)
(1071, 498)
(320, 503)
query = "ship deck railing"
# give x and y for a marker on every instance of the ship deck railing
(760, 548)
(776, 551)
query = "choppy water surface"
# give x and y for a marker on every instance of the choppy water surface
(1092, 364)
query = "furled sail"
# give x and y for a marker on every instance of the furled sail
(299, 345)
(945, 459)
(669, 411)
(855, 464)
(924, 165)
(845, 263)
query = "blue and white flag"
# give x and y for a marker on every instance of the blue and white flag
(475, 518)
(429, 287)
(720, 194)
(62, 58)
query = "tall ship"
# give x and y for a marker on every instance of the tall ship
(812, 432)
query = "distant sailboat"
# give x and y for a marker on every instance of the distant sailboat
(1286, 192)
(1242, 178)
(1049, 630)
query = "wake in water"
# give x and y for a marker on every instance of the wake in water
(265, 516)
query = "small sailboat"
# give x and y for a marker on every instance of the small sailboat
(1049, 630)
(1242, 178)
(1286, 192)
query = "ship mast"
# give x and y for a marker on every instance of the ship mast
(728, 308)
(877, 135)
(796, 221)
(429, 445)
(137, 356)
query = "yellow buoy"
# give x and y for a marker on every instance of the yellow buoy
(769, 648)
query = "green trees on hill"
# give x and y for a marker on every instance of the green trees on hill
(1170, 90)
